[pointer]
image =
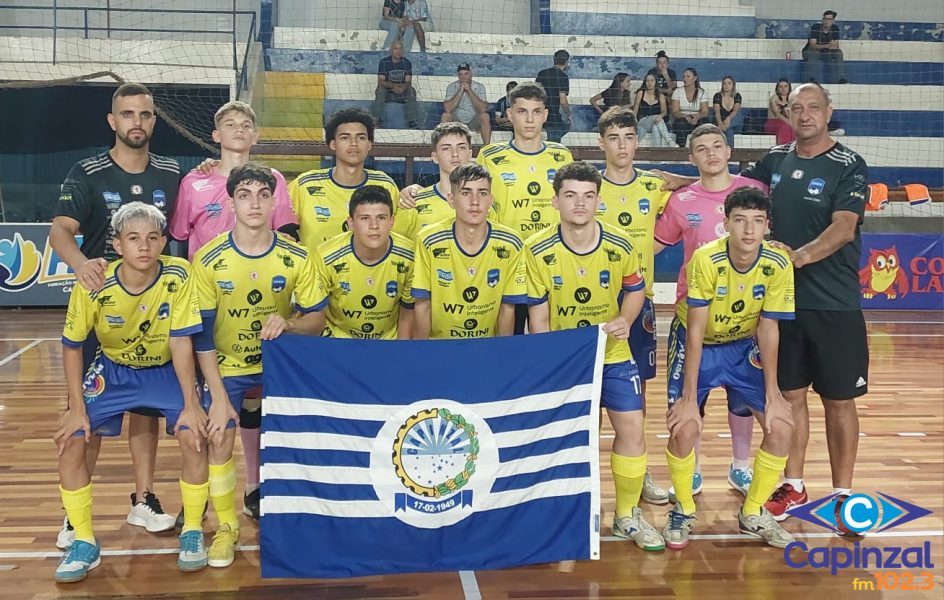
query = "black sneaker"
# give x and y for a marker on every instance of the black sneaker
(179, 523)
(251, 504)
(149, 514)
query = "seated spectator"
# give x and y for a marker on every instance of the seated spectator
(823, 48)
(689, 106)
(393, 20)
(417, 12)
(778, 113)
(665, 77)
(727, 104)
(501, 108)
(651, 110)
(618, 94)
(465, 103)
(395, 84)
(557, 85)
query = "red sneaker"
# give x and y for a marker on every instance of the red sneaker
(783, 499)
(841, 529)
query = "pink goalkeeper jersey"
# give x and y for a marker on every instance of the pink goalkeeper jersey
(202, 211)
(695, 217)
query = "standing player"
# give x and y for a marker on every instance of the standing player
(523, 170)
(738, 289)
(202, 210)
(368, 272)
(584, 273)
(143, 317)
(320, 197)
(91, 194)
(631, 200)
(695, 216)
(245, 281)
(469, 273)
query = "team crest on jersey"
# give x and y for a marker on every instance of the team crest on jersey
(798, 174)
(278, 283)
(759, 292)
(392, 289)
(602, 207)
(159, 198)
(492, 277)
(649, 321)
(551, 174)
(774, 180)
(136, 190)
(816, 187)
(213, 210)
(754, 357)
(112, 200)
(163, 311)
(604, 279)
(644, 206)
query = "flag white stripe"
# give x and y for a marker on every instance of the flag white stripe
(532, 464)
(281, 405)
(316, 441)
(510, 439)
(546, 489)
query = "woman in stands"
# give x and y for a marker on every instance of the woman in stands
(778, 113)
(689, 106)
(727, 104)
(651, 109)
(618, 94)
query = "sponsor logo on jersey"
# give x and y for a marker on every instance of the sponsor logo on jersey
(114, 320)
(500, 160)
(444, 275)
(213, 210)
(112, 200)
(136, 190)
(722, 291)
(694, 219)
(509, 178)
(798, 174)
(549, 259)
(226, 285)
(534, 188)
(322, 211)
(441, 253)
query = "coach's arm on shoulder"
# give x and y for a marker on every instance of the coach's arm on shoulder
(89, 272)
(839, 233)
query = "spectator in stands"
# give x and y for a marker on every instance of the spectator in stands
(665, 76)
(465, 103)
(618, 94)
(651, 108)
(689, 106)
(557, 85)
(823, 48)
(727, 104)
(394, 21)
(501, 108)
(778, 113)
(395, 84)
(417, 11)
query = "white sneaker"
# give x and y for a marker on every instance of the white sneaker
(149, 514)
(66, 535)
(652, 492)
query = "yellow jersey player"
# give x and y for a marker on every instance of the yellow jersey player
(143, 316)
(368, 273)
(248, 282)
(584, 273)
(469, 273)
(320, 197)
(738, 290)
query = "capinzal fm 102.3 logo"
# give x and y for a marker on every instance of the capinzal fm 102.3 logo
(858, 514)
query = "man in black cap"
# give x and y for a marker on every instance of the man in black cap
(823, 47)
(465, 102)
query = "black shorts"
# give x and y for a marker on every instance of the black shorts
(826, 348)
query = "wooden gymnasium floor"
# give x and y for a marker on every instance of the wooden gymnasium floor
(901, 453)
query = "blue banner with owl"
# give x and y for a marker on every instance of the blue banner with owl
(412, 456)
(902, 271)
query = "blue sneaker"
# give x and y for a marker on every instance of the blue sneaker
(696, 488)
(740, 479)
(193, 553)
(79, 559)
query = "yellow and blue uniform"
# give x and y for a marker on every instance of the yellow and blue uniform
(321, 203)
(522, 184)
(237, 293)
(586, 289)
(431, 207)
(633, 207)
(364, 301)
(466, 291)
(736, 302)
(133, 368)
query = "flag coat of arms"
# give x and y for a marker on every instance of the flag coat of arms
(411, 456)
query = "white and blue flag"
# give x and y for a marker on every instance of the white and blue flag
(386, 457)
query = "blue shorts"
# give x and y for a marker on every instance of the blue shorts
(735, 366)
(237, 387)
(110, 390)
(621, 387)
(642, 340)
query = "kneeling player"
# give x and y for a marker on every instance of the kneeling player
(583, 273)
(143, 316)
(738, 288)
(368, 272)
(245, 280)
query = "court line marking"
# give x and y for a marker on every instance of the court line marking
(29, 339)
(22, 350)
(470, 585)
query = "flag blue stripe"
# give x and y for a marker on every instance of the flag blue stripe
(295, 424)
(315, 458)
(546, 446)
(538, 418)
(517, 482)
(326, 491)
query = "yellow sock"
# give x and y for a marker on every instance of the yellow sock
(223, 492)
(767, 470)
(681, 471)
(78, 505)
(628, 475)
(194, 497)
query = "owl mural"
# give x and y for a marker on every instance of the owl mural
(883, 275)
